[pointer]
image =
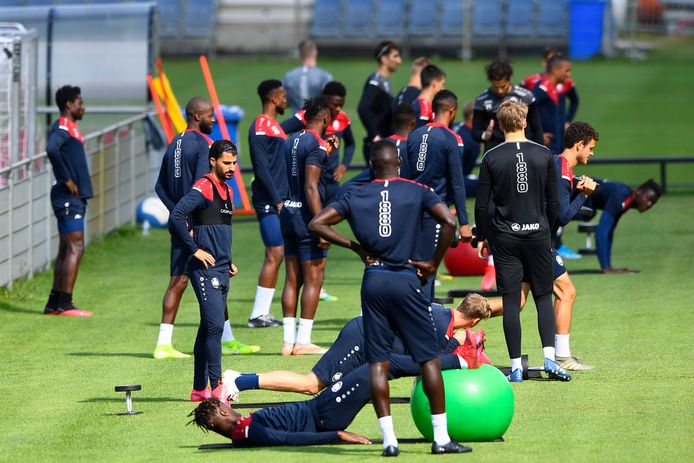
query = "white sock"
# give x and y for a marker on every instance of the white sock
(549, 353)
(386, 425)
(561, 344)
(490, 261)
(289, 326)
(227, 334)
(463, 362)
(263, 301)
(165, 334)
(303, 336)
(440, 429)
(516, 364)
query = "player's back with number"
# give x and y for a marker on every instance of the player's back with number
(385, 216)
(519, 174)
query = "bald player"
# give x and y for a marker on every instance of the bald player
(184, 162)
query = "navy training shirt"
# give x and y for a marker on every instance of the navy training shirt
(210, 236)
(305, 148)
(434, 156)
(266, 142)
(568, 207)
(386, 217)
(407, 95)
(65, 149)
(185, 161)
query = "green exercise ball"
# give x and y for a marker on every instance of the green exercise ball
(479, 405)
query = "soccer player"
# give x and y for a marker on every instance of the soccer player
(347, 352)
(547, 101)
(579, 142)
(404, 122)
(266, 142)
(307, 80)
(69, 195)
(520, 178)
(566, 90)
(614, 199)
(410, 92)
(433, 80)
(386, 218)
(321, 420)
(341, 127)
(185, 161)
(471, 149)
(376, 100)
(434, 152)
(209, 205)
(304, 252)
(485, 125)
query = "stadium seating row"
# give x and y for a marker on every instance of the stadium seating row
(438, 18)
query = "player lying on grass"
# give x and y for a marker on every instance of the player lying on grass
(321, 420)
(347, 352)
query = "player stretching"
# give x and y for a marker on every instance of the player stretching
(69, 195)
(209, 207)
(269, 189)
(386, 217)
(434, 154)
(520, 178)
(304, 252)
(453, 335)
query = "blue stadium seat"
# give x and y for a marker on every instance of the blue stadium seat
(486, 18)
(390, 18)
(326, 14)
(358, 18)
(169, 17)
(519, 19)
(552, 18)
(11, 3)
(31, 2)
(198, 20)
(423, 15)
(452, 18)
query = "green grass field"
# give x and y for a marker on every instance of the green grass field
(58, 402)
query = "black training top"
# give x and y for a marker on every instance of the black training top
(521, 179)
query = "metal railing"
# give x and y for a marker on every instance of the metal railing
(120, 167)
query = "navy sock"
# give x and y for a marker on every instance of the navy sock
(247, 381)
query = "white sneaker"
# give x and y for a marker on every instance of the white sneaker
(230, 392)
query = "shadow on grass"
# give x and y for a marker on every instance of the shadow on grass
(111, 354)
(138, 399)
(344, 448)
(5, 307)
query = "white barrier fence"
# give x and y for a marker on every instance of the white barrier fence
(121, 171)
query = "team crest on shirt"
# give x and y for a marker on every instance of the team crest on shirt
(215, 282)
(488, 105)
(336, 377)
(336, 387)
(560, 261)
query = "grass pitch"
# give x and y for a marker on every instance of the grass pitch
(58, 375)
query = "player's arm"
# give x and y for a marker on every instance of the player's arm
(322, 225)
(572, 96)
(482, 204)
(456, 185)
(312, 175)
(56, 140)
(534, 124)
(191, 201)
(160, 187)
(366, 113)
(350, 145)
(440, 212)
(259, 435)
(551, 193)
(603, 237)
(480, 123)
(261, 169)
(292, 124)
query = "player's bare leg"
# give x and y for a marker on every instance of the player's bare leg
(313, 272)
(290, 296)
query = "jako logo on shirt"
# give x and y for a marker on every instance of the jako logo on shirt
(515, 227)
